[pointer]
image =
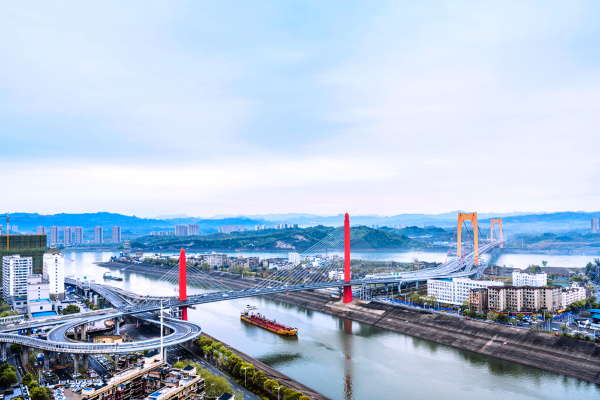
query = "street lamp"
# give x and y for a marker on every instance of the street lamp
(244, 368)
(278, 391)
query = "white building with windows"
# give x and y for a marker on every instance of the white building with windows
(455, 291)
(181, 230)
(54, 272)
(294, 258)
(525, 279)
(54, 236)
(78, 237)
(15, 270)
(336, 275)
(67, 235)
(116, 234)
(571, 294)
(98, 235)
(38, 297)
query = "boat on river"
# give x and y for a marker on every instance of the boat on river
(107, 275)
(265, 323)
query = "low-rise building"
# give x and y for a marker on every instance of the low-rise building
(294, 258)
(478, 300)
(525, 279)
(456, 291)
(571, 294)
(38, 297)
(524, 298)
(150, 379)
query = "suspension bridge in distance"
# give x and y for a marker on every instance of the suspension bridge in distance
(180, 331)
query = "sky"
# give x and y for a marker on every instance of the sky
(236, 107)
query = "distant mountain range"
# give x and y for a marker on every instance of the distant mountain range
(132, 226)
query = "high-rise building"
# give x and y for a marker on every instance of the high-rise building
(193, 230)
(1, 230)
(41, 230)
(181, 230)
(54, 232)
(14, 228)
(116, 234)
(33, 246)
(54, 272)
(78, 237)
(98, 235)
(595, 225)
(15, 270)
(67, 235)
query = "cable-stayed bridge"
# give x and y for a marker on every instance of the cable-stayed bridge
(312, 273)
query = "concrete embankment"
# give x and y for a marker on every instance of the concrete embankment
(272, 373)
(571, 357)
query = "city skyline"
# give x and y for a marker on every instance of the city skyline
(368, 109)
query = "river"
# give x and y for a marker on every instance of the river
(349, 360)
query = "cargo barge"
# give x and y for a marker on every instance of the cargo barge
(113, 278)
(268, 324)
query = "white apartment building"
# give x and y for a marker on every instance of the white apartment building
(571, 294)
(54, 235)
(38, 296)
(78, 237)
(98, 235)
(116, 234)
(215, 260)
(455, 291)
(336, 275)
(67, 235)
(54, 272)
(181, 230)
(193, 230)
(15, 270)
(525, 279)
(294, 258)
(41, 230)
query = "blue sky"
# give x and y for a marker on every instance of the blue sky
(208, 108)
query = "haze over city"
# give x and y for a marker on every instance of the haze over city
(152, 108)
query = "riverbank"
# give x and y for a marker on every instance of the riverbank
(270, 372)
(560, 355)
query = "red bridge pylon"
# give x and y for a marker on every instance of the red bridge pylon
(348, 288)
(182, 283)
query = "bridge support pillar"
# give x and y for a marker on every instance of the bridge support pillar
(183, 283)
(473, 218)
(46, 360)
(86, 362)
(3, 356)
(75, 364)
(84, 333)
(24, 354)
(117, 328)
(63, 359)
(347, 289)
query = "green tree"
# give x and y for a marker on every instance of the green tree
(27, 379)
(259, 378)
(71, 309)
(8, 377)
(520, 317)
(544, 263)
(39, 393)
(238, 396)
(564, 328)
(415, 298)
(502, 318)
(304, 398)
(216, 385)
(270, 384)
(465, 305)
(15, 348)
